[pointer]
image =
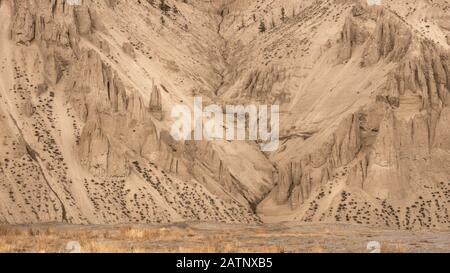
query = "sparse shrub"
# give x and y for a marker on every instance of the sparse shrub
(283, 14)
(262, 27)
(163, 6)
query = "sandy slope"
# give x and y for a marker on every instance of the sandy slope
(363, 92)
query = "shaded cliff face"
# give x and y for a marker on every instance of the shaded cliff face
(84, 115)
(383, 163)
(87, 93)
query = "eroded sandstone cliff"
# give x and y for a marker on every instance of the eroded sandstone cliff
(87, 90)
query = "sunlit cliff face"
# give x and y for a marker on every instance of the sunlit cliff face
(87, 93)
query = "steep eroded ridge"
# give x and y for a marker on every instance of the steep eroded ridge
(87, 92)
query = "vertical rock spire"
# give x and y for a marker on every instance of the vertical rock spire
(155, 102)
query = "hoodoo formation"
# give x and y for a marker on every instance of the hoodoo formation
(86, 94)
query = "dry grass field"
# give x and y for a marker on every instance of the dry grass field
(212, 238)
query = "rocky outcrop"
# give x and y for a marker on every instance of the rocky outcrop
(47, 22)
(352, 34)
(391, 40)
(263, 85)
(83, 20)
(425, 75)
(156, 102)
(95, 87)
(297, 180)
(99, 154)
